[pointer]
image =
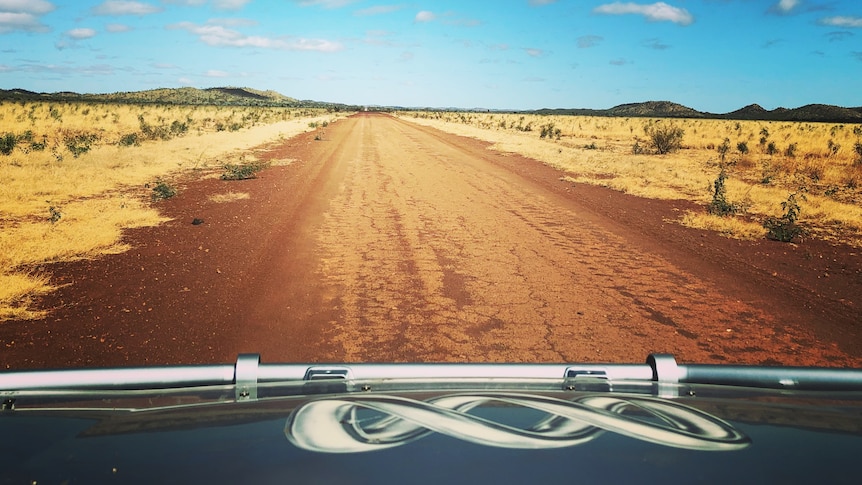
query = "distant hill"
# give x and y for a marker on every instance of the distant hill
(667, 109)
(241, 96)
(222, 96)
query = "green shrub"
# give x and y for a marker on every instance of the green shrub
(128, 140)
(242, 171)
(720, 205)
(785, 228)
(664, 137)
(54, 214)
(7, 143)
(163, 190)
(79, 143)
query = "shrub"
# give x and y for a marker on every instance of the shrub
(771, 149)
(54, 214)
(857, 147)
(785, 228)
(742, 147)
(79, 143)
(664, 138)
(128, 140)
(719, 205)
(242, 171)
(7, 143)
(162, 191)
(548, 131)
(790, 151)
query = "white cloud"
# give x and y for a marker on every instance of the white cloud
(23, 15)
(116, 28)
(534, 52)
(542, 2)
(188, 3)
(324, 3)
(15, 21)
(785, 6)
(229, 4)
(654, 12)
(124, 7)
(216, 73)
(425, 16)
(37, 7)
(81, 33)
(852, 22)
(221, 36)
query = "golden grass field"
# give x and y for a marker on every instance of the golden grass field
(817, 160)
(75, 175)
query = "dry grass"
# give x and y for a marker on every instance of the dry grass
(599, 151)
(78, 175)
(228, 197)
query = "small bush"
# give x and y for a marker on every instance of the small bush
(742, 147)
(785, 228)
(548, 131)
(54, 214)
(664, 137)
(163, 190)
(720, 205)
(79, 143)
(857, 148)
(7, 143)
(128, 140)
(242, 171)
(790, 151)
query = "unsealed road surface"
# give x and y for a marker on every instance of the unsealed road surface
(388, 241)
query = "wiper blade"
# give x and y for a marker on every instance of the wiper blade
(248, 372)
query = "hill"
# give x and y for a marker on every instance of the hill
(222, 96)
(667, 109)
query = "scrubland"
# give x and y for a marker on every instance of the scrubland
(764, 162)
(75, 175)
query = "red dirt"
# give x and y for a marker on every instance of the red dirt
(387, 241)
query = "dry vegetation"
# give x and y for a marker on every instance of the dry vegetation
(764, 161)
(75, 175)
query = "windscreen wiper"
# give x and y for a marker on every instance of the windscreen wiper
(248, 372)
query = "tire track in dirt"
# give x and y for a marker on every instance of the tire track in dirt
(434, 254)
(388, 241)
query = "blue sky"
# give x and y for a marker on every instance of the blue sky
(711, 55)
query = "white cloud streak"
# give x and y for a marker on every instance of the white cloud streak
(117, 28)
(82, 33)
(36, 7)
(23, 15)
(654, 12)
(229, 4)
(123, 7)
(425, 16)
(786, 6)
(329, 4)
(221, 36)
(841, 21)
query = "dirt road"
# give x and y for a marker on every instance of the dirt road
(386, 241)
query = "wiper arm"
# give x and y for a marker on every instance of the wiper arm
(248, 372)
